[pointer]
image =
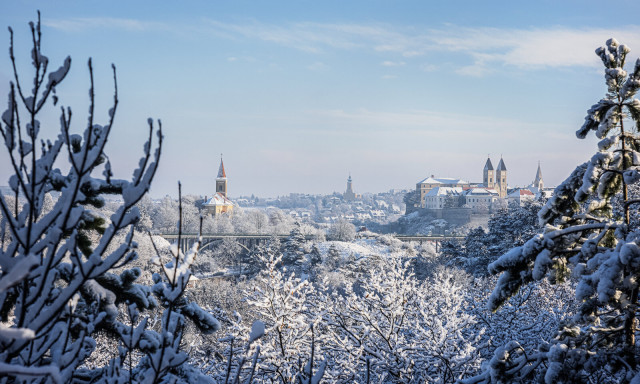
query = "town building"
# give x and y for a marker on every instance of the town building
(219, 203)
(442, 197)
(423, 187)
(518, 196)
(481, 200)
(461, 202)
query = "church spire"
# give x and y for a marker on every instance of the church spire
(488, 174)
(538, 174)
(221, 180)
(488, 166)
(501, 178)
(501, 166)
(221, 173)
(537, 182)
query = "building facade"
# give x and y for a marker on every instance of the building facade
(423, 187)
(481, 200)
(519, 196)
(442, 197)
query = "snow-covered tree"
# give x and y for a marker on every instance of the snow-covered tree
(313, 262)
(165, 215)
(293, 252)
(392, 329)
(226, 253)
(58, 280)
(145, 207)
(342, 230)
(507, 228)
(529, 317)
(583, 237)
(290, 352)
(258, 220)
(333, 259)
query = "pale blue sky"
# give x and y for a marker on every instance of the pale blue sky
(298, 94)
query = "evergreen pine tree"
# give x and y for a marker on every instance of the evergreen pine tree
(293, 253)
(333, 259)
(585, 237)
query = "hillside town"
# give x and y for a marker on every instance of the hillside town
(458, 202)
(462, 202)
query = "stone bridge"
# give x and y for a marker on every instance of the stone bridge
(251, 240)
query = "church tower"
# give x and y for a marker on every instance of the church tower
(349, 195)
(501, 179)
(538, 183)
(219, 203)
(221, 180)
(488, 174)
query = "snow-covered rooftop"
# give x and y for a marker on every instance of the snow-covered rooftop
(444, 191)
(442, 180)
(481, 192)
(521, 192)
(218, 199)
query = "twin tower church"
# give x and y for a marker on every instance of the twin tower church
(433, 192)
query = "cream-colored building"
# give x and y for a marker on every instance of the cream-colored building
(441, 197)
(481, 200)
(219, 203)
(492, 179)
(423, 187)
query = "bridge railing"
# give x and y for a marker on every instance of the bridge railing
(405, 238)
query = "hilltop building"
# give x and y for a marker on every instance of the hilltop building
(423, 187)
(349, 195)
(494, 185)
(442, 197)
(480, 200)
(461, 202)
(219, 203)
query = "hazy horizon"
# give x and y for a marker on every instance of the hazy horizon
(297, 95)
